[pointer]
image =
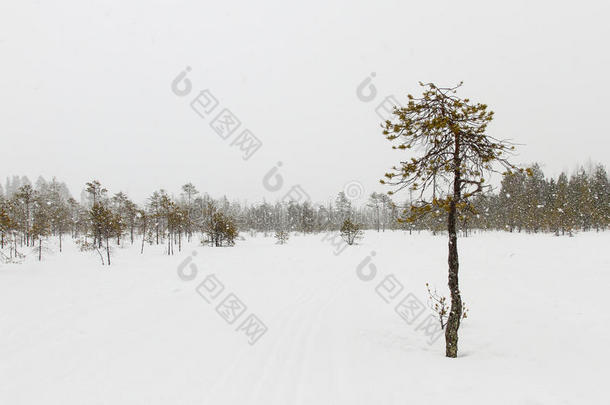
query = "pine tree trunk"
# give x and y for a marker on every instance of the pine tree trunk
(453, 321)
(455, 314)
(39, 249)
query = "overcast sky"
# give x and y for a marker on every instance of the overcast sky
(86, 87)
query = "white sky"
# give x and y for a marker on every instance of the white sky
(85, 86)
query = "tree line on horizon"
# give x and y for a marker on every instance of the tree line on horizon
(524, 203)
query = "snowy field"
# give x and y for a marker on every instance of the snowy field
(74, 332)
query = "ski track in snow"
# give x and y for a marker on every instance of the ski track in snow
(281, 367)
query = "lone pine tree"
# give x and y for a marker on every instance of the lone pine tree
(453, 152)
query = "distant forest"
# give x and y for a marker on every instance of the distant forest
(30, 213)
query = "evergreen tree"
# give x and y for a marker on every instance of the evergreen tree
(511, 198)
(455, 153)
(25, 196)
(344, 208)
(600, 193)
(105, 225)
(581, 200)
(564, 210)
(189, 192)
(41, 221)
(533, 199)
(350, 231)
(5, 223)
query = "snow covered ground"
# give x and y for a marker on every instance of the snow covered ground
(74, 332)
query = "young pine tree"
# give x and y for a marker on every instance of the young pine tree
(452, 154)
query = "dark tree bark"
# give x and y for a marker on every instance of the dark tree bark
(455, 314)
